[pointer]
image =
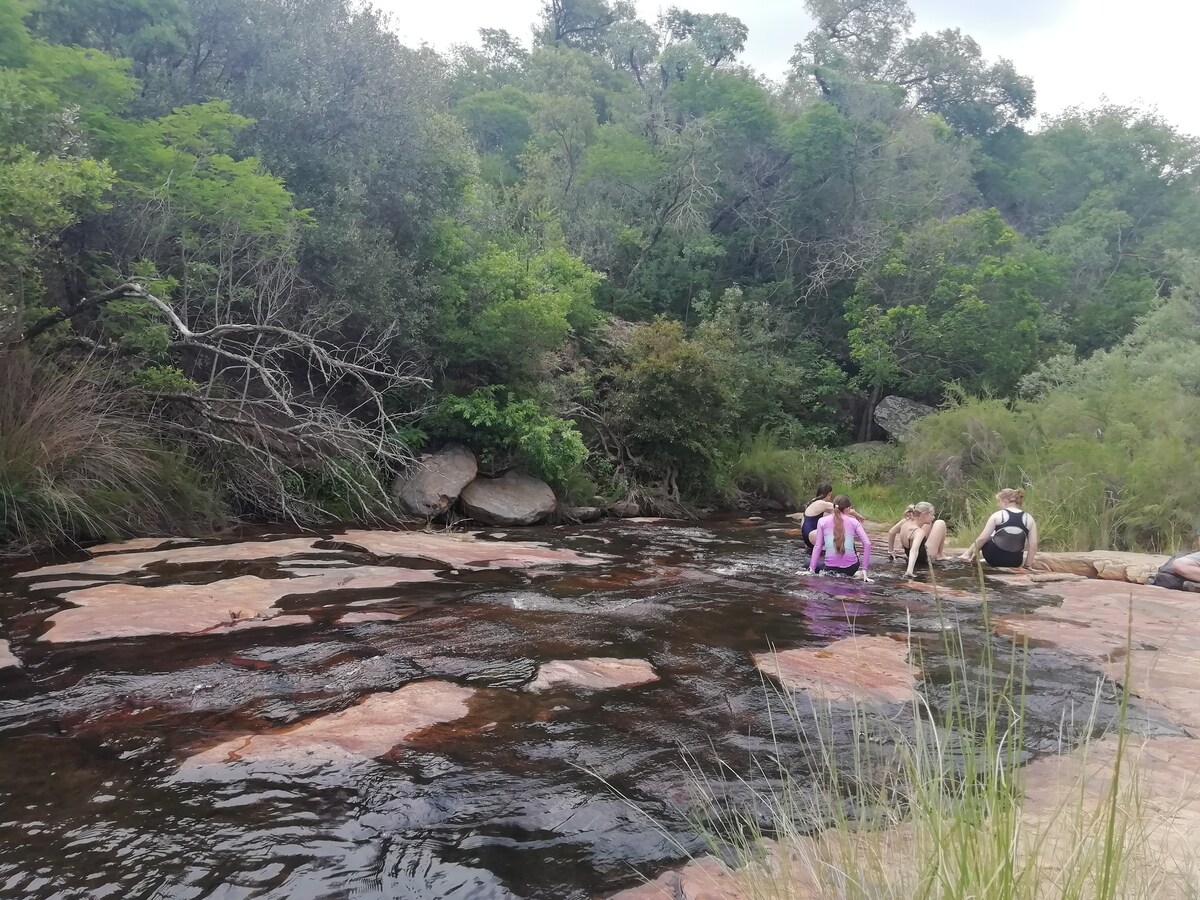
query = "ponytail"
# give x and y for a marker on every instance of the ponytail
(841, 503)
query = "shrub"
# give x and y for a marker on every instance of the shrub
(504, 431)
(78, 461)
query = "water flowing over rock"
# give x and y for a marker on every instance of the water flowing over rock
(434, 484)
(511, 499)
(463, 550)
(124, 563)
(366, 730)
(7, 659)
(597, 673)
(852, 670)
(131, 610)
(896, 415)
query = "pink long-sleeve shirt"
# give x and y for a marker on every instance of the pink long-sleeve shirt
(840, 559)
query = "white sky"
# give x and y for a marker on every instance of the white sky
(1076, 51)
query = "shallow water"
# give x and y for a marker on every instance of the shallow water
(522, 798)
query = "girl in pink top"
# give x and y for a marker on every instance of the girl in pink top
(833, 541)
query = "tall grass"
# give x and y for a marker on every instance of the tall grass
(764, 466)
(929, 805)
(77, 460)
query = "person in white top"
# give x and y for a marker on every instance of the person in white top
(1009, 539)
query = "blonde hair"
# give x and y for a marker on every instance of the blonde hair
(1011, 497)
(916, 510)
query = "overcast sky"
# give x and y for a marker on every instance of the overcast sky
(1076, 51)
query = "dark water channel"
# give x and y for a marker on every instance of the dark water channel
(510, 801)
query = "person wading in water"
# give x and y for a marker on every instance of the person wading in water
(834, 538)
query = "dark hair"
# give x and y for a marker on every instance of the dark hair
(841, 503)
(824, 489)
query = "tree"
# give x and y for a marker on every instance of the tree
(959, 300)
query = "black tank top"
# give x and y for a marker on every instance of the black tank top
(1010, 534)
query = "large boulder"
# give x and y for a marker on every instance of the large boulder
(431, 487)
(896, 415)
(511, 499)
(623, 509)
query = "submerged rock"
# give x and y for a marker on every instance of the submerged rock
(131, 610)
(852, 670)
(366, 730)
(598, 673)
(124, 563)
(462, 550)
(7, 659)
(511, 499)
(434, 485)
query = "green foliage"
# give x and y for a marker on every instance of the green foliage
(956, 300)
(505, 310)
(673, 405)
(1106, 451)
(505, 432)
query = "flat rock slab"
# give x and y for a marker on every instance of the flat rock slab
(364, 731)
(130, 610)
(7, 659)
(852, 670)
(136, 545)
(1100, 620)
(124, 563)
(1135, 568)
(597, 673)
(463, 551)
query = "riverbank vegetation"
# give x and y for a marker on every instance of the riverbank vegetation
(273, 254)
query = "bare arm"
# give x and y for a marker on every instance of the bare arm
(1031, 544)
(915, 550)
(893, 533)
(982, 539)
(852, 512)
(818, 539)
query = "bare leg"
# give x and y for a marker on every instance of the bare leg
(1187, 570)
(936, 542)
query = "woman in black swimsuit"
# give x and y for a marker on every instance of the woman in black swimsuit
(1010, 536)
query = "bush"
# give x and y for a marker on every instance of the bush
(505, 432)
(1107, 451)
(77, 460)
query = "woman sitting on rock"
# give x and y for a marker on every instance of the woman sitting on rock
(922, 536)
(820, 505)
(1010, 535)
(1179, 573)
(834, 538)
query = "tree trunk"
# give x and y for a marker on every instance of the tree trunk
(864, 426)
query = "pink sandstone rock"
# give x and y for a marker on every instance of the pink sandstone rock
(7, 659)
(597, 673)
(852, 670)
(366, 730)
(1099, 619)
(704, 878)
(1108, 565)
(136, 545)
(462, 550)
(124, 563)
(130, 610)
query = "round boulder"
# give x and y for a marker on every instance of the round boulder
(896, 415)
(432, 486)
(511, 499)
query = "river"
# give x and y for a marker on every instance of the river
(562, 792)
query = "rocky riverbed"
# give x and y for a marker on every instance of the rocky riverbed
(503, 714)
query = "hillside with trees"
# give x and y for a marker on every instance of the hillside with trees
(257, 255)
